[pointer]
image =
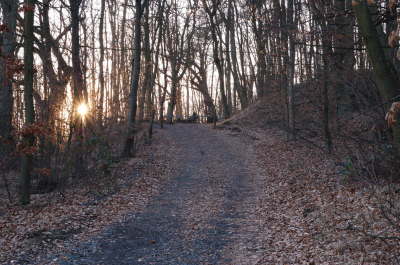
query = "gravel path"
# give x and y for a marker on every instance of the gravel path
(206, 214)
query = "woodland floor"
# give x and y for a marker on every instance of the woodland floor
(204, 213)
(234, 196)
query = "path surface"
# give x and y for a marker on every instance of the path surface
(204, 215)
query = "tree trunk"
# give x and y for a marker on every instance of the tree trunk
(129, 141)
(7, 48)
(384, 72)
(228, 70)
(343, 56)
(260, 38)
(172, 101)
(101, 63)
(290, 69)
(122, 68)
(326, 117)
(143, 107)
(115, 91)
(242, 93)
(217, 60)
(79, 95)
(29, 138)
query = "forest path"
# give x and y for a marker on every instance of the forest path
(206, 213)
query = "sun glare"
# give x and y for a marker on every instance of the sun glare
(83, 109)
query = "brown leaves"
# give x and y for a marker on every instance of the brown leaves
(392, 113)
(4, 28)
(27, 8)
(36, 129)
(42, 226)
(357, 2)
(27, 150)
(393, 38)
(42, 171)
(306, 190)
(392, 4)
(14, 66)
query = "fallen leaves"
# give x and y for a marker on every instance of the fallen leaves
(307, 211)
(53, 221)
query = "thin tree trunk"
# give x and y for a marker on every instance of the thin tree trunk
(326, 117)
(343, 57)
(258, 29)
(242, 93)
(29, 138)
(217, 60)
(114, 85)
(122, 72)
(147, 68)
(290, 70)
(228, 70)
(129, 141)
(79, 95)
(7, 48)
(101, 63)
(172, 101)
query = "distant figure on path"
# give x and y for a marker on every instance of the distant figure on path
(193, 118)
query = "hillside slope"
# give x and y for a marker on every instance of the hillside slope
(316, 208)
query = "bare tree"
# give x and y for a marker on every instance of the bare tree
(211, 9)
(176, 37)
(101, 61)
(29, 138)
(7, 63)
(129, 141)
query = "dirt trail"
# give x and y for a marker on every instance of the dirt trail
(204, 215)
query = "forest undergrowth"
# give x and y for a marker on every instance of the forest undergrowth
(320, 208)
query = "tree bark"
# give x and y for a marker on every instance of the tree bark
(101, 63)
(78, 88)
(343, 56)
(129, 141)
(290, 25)
(242, 93)
(79, 92)
(212, 12)
(122, 68)
(29, 138)
(7, 45)
(147, 80)
(384, 72)
(176, 39)
(260, 38)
